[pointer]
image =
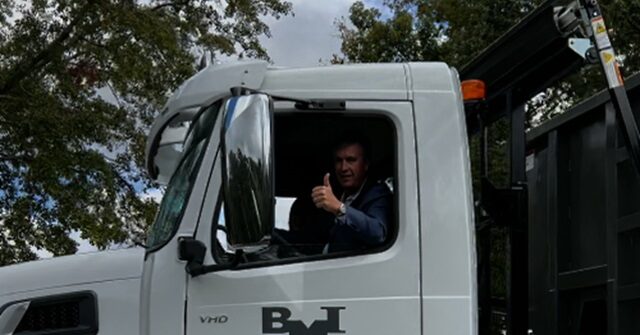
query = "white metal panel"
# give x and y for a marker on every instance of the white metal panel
(431, 77)
(356, 81)
(446, 315)
(388, 315)
(71, 270)
(381, 292)
(446, 205)
(214, 82)
(118, 303)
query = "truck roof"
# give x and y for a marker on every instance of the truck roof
(374, 81)
(362, 81)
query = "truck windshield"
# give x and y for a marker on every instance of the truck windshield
(179, 188)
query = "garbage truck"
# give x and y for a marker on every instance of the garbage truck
(237, 144)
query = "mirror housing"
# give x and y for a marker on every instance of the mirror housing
(247, 171)
(193, 251)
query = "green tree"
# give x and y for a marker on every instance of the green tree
(80, 83)
(439, 30)
(455, 31)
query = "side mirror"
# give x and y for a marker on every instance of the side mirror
(247, 171)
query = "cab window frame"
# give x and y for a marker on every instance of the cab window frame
(393, 227)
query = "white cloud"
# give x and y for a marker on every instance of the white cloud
(307, 37)
(154, 193)
(41, 253)
(83, 245)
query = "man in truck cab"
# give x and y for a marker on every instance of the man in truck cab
(362, 207)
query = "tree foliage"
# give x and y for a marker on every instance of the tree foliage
(439, 30)
(80, 82)
(455, 31)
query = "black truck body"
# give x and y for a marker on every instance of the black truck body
(584, 222)
(571, 206)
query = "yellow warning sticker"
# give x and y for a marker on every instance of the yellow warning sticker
(612, 71)
(600, 33)
(608, 56)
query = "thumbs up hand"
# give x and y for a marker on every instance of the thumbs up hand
(324, 198)
(326, 180)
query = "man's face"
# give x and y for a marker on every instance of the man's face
(351, 167)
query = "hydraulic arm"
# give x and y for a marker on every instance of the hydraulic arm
(585, 18)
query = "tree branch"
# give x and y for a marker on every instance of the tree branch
(94, 43)
(10, 97)
(13, 159)
(112, 164)
(173, 4)
(115, 95)
(123, 181)
(27, 66)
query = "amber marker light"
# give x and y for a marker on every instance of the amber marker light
(473, 90)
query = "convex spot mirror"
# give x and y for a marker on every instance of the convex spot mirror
(247, 171)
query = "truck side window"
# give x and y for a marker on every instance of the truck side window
(179, 187)
(334, 183)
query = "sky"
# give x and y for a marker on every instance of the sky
(309, 35)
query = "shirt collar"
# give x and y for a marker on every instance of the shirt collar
(347, 200)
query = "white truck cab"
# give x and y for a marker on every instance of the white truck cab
(234, 143)
(236, 248)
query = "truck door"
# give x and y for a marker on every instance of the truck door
(164, 278)
(375, 292)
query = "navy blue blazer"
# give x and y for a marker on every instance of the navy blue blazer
(367, 222)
